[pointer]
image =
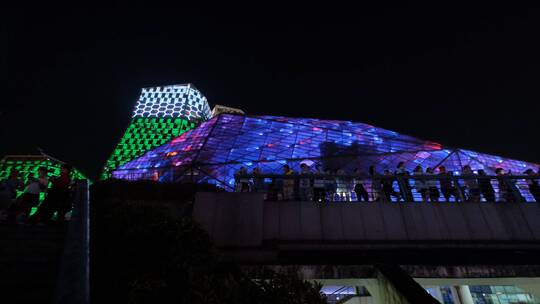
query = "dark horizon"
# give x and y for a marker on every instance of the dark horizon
(463, 78)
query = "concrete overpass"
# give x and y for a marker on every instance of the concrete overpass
(380, 246)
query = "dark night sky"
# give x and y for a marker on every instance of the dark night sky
(465, 77)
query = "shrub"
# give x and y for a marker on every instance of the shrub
(143, 254)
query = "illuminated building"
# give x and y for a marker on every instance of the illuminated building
(161, 113)
(216, 150)
(28, 165)
(301, 232)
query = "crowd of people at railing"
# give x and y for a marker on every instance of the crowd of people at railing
(17, 199)
(429, 185)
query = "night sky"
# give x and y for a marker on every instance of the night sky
(465, 77)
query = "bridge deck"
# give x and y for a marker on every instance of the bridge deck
(249, 227)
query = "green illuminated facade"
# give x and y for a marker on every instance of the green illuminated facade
(28, 165)
(144, 134)
(161, 114)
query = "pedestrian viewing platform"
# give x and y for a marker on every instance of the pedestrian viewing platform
(472, 223)
(392, 188)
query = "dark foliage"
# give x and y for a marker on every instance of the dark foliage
(142, 254)
(148, 190)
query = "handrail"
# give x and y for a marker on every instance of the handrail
(362, 176)
(409, 188)
(340, 289)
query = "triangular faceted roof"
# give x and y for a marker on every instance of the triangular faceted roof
(217, 148)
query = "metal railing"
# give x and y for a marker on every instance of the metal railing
(392, 188)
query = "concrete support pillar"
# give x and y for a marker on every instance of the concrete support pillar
(465, 296)
(455, 294)
(374, 290)
(353, 300)
(393, 286)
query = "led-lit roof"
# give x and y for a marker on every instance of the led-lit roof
(217, 148)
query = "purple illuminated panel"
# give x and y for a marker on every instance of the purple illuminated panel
(215, 150)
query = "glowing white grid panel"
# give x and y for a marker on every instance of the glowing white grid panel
(183, 101)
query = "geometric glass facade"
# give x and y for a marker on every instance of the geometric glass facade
(182, 100)
(216, 150)
(144, 134)
(485, 294)
(161, 113)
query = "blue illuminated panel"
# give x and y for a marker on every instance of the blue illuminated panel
(219, 147)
